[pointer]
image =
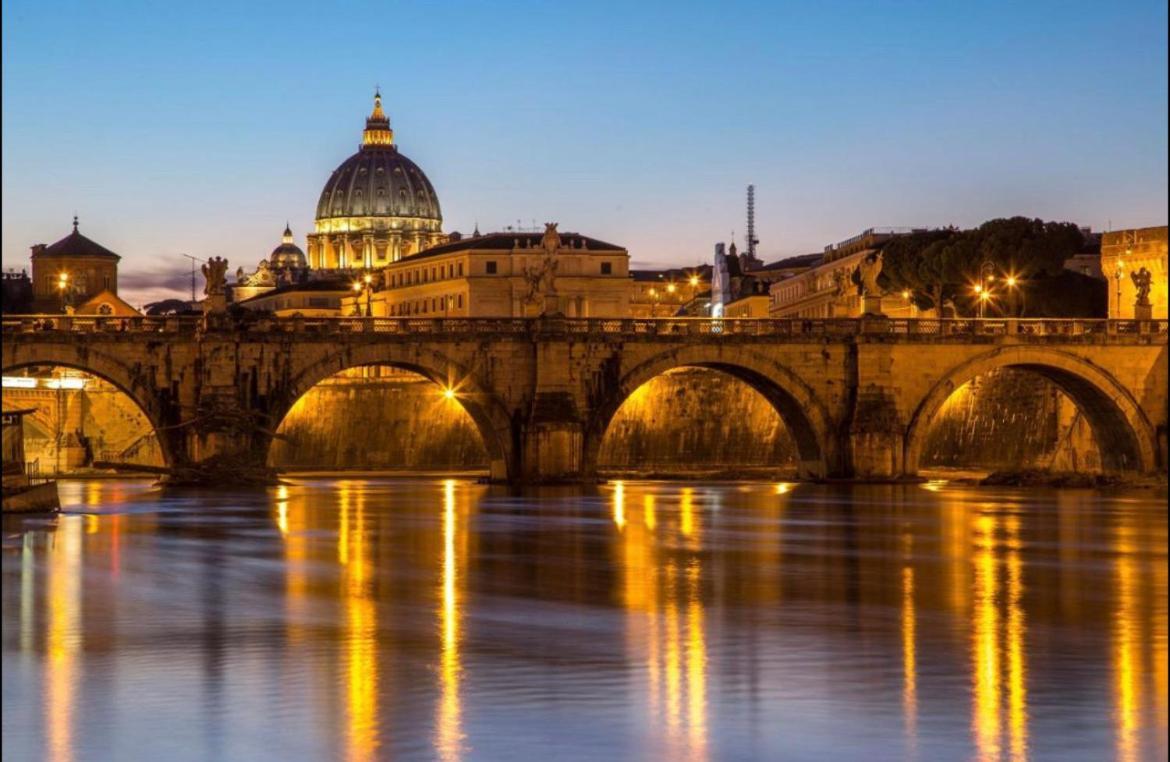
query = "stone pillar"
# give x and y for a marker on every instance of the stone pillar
(877, 438)
(1143, 312)
(871, 305)
(553, 437)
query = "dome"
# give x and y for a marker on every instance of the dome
(287, 254)
(378, 180)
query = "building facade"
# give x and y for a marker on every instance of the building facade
(1123, 254)
(502, 275)
(828, 289)
(377, 207)
(72, 271)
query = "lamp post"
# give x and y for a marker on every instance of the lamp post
(357, 295)
(62, 286)
(1014, 291)
(368, 280)
(983, 290)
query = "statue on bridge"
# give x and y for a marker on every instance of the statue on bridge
(1141, 281)
(541, 282)
(868, 272)
(214, 272)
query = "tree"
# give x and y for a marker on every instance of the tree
(944, 264)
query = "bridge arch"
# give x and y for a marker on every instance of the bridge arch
(1124, 435)
(481, 403)
(119, 375)
(802, 412)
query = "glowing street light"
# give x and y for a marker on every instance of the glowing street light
(448, 393)
(62, 285)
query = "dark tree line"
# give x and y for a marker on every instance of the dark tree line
(941, 266)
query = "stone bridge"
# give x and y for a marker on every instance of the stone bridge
(857, 395)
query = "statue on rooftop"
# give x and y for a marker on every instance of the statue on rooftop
(551, 241)
(1141, 281)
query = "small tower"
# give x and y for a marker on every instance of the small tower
(377, 132)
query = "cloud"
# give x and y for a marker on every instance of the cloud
(140, 287)
(163, 280)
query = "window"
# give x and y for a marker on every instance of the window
(460, 269)
(460, 301)
(490, 267)
(607, 268)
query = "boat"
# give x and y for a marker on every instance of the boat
(24, 491)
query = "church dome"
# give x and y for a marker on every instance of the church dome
(287, 255)
(378, 180)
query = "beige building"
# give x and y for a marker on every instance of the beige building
(377, 206)
(316, 298)
(72, 271)
(827, 290)
(503, 275)
(664, 293)
(751, 306)
(1125, 252)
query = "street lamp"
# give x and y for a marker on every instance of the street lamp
(1014, 290)
(369, 279)
(62, 285)
(357, 305)
(986, 276)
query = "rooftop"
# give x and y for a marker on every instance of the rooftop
(508, 240)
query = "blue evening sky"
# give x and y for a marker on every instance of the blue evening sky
(200, 127)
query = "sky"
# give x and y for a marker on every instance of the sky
(200, 128)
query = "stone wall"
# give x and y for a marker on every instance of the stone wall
(695, 418)
(1011, 419)
(71, 428)
(398, 422)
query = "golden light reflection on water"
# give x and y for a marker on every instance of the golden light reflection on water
(999, 650)
(667, 627)
(449, 735)
(909, 648)
(968, 592)
(361, 633)
(1126, 648)
(985, 657)
(63, 637)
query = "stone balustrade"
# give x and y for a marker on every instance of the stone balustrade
(707, 327)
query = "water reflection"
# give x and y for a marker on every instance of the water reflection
(367, 620)
(666, 628)
(63, 636)
(448, 743)
(361, 641)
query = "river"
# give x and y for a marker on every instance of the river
(431, 618)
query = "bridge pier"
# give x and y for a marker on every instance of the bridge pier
(876, 437)
(552, 442)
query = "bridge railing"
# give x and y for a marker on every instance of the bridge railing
(712, 327)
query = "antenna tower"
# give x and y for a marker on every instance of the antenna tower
(751, 222)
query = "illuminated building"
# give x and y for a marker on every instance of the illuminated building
(78, 275)
(508, 274)
(1127, 251)
(670, 292)
(286, 265)
(320, 297)
(826, 289)
(377, 207)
